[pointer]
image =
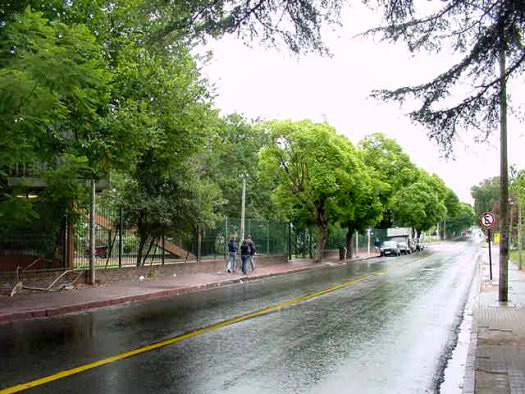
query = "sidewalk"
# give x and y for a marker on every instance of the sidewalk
(44, 304)
(497, 356)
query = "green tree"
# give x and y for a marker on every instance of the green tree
(420, 205)
(53, 88)
(168, 101)
(363, 206)
(452, 203)
(517, 189)
(314, 171)
(386, 156)
(391, 166)
(86, 87)
(485, 194)
(53, 102)
(462, 220)
(231, 151)
(177, 205)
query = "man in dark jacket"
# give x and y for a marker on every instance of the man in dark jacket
(232, 255)
(245, 255)
(251, 255)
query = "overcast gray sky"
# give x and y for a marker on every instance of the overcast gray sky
(273, 84)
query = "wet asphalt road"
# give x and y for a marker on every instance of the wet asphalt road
(388, 334)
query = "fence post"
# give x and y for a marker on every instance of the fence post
(163, 251)
(92, 234)
(268, 238)
(120, 235)
(310, 251)
(64, 241)
(289, 241)
(199, 242)
(225, 237)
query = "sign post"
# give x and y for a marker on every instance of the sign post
(488, 220)
(490, 254)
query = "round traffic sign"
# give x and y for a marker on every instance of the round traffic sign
(488, 220)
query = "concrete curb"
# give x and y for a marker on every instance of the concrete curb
(469, 380)
(62, 310)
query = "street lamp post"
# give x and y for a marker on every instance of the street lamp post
(369, 232)
(243, 205)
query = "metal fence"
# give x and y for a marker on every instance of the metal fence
(270, 237)
(117, 245)
(303, 242)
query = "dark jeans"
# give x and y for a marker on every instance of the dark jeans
(244, 260)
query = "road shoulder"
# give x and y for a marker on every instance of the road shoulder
(42, 305)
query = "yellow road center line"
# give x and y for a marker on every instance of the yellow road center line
(251, 315)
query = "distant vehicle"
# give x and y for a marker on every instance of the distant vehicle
(402, 244)
(398, 232)
(403, 236)
(389, 248)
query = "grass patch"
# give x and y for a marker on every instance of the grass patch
(514, 256)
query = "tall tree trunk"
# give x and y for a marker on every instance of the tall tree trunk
(349, 248)
(142, 240)
(140, 250)
(321, 241)
(148, 251)
(322, 225)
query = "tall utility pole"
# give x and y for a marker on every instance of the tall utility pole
(504, 182)
(243, 204)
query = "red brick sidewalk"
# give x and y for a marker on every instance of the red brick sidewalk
(38, 305)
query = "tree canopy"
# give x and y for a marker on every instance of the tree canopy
(317, 174)
(232, 151)
(477, 32)
(419, 205)
(98, 89)
(485, 194)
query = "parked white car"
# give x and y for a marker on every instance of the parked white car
(389, 248)
(402, 244)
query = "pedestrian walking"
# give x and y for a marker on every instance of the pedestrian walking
(233, 248)
(245, 255)
(377, 244)
(253, 250)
